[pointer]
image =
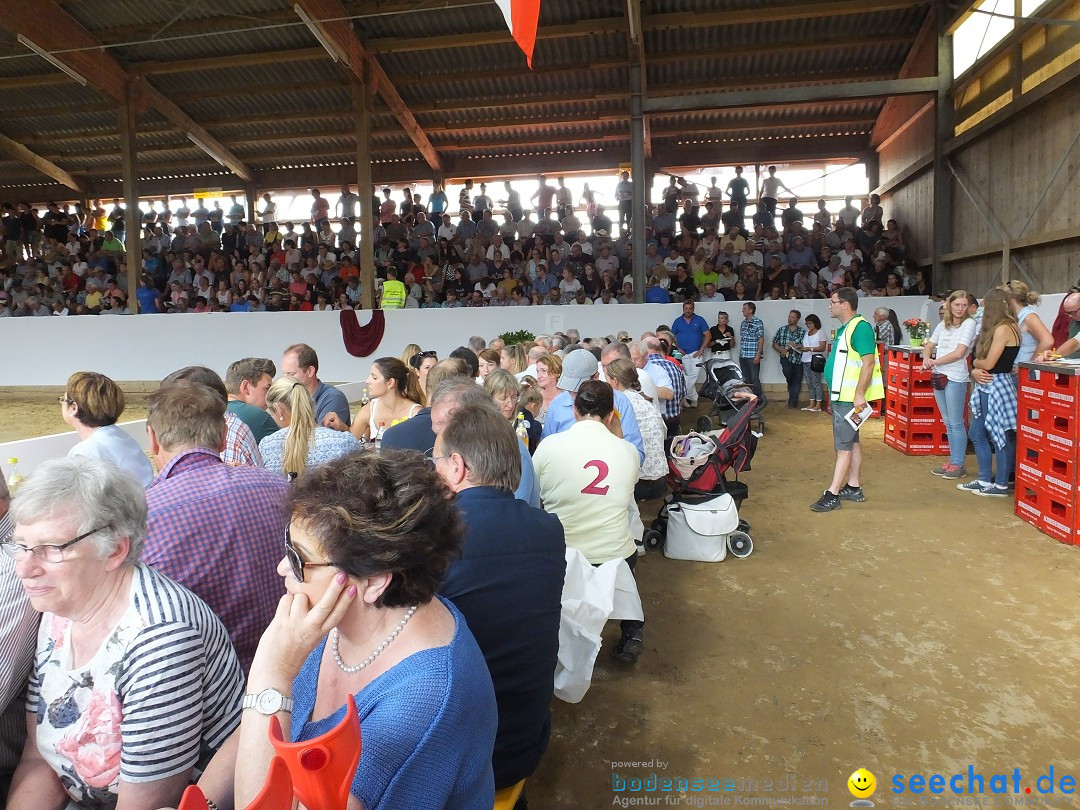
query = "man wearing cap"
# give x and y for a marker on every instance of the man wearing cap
(578, 366)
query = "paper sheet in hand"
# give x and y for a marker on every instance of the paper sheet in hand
(591, 596)
(858, 418)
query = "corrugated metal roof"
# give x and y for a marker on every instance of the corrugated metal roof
(474, 101)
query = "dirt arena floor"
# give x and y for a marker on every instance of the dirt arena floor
(921, 632)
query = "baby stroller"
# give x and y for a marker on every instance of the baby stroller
(724, 385)
(697, 473)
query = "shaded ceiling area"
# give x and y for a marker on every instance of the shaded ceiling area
(252, 83)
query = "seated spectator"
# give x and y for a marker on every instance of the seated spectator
(509, 592)
(18, 631)
(240, 447)
(247, 382)
(301, 361)
(395, 396)
(652, 482)
(416, 433)
(91, 404)
(372, 538)
(226, 556)
(505, 390)
(302, 442)
(110, 725)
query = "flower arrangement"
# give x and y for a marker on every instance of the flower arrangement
(521, 336)
(917, 329)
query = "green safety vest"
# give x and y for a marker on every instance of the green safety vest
(847, 366)
(393, 295)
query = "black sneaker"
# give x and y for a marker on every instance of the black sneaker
(629, 648)
(850, 493)
(826, 503)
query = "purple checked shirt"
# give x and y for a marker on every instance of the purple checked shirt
(219, 531)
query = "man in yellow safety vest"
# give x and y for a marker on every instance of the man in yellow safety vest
(854, 378)
(393, 291)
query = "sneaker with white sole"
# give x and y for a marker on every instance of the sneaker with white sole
(973, 486)
(940, 470)
(954, 471)
(994, 491)
(826, 503)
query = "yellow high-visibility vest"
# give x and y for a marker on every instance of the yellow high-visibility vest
(847, 366)
(393, 294)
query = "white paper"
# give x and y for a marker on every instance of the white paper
(591, 597)
(858, 419)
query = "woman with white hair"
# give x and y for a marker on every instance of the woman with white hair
(135, 683)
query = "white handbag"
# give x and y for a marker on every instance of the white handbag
(699, 531)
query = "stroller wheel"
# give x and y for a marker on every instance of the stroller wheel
(704, 424)
(740, 544)
(744, 526)
(653, 540)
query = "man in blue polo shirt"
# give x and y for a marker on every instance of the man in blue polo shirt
(692, 334)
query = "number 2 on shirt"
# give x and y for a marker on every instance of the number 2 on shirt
(601, 474)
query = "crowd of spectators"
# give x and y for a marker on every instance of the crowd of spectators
(549, 250)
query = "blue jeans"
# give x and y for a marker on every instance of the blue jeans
(751, 373)
(1006, 456)
(952, 402)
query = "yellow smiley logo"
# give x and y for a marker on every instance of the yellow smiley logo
(862, 784)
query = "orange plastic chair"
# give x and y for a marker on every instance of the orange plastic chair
(276, 793)
(506, 798)
(322, 769)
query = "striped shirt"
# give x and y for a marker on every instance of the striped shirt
(240, 446)
(667, 375)
(750, 331)
(159, 697)
(18, 629)
(220, 532)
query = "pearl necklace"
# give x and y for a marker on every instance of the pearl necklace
(378, 650)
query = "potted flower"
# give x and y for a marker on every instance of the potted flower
(918, 330)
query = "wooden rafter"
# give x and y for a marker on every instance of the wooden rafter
(47, 167)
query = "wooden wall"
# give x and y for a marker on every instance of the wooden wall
(911, 204)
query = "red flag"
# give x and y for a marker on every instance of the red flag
(522, 18)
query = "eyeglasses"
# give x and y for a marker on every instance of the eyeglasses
(295, 562)
(429, 454)
(49, 553)
(63, 399)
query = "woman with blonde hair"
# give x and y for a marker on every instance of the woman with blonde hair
(993, 402)
(506, 391)
(953, 337)
(300, 443)
(1035, 338)
(548, 371)
(409, 352)
(512, 358)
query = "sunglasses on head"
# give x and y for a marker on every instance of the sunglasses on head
(418, 358)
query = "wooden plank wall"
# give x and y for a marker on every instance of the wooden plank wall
(911, 205)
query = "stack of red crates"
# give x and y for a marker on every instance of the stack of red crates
(1048, 449)
(912, 422)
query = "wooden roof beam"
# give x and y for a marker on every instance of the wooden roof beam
(271, 57)
(51, 28)
(366, 68)
(920, 60)
(47, 167)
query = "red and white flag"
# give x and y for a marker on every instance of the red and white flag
(522, 18)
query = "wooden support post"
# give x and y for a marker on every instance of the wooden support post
(641, 182)
(363, 103)
(132, 220)
(251, 194)
(943, 131)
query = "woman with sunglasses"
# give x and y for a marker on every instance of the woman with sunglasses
(91, 404)
(369, 542)
(110, 724)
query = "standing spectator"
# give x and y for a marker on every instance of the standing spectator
(854, 378)
(787, 342)
(738, 190)
(214, 528)
(92, 403)
(301, 361)
(247, 382)
(1035, 338)
(751, 346)
(18, 628)
(624, 194)
(813, 345)
(510, 593)
(692, 336)
(952, 339)
(993, 402)
(587, 476)
(770, 191)
(721, 337)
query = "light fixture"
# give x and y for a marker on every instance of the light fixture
(52, 60)
(317, 32)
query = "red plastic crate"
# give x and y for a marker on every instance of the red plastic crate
(1028, 504)
(914, 440)
(1033, 379)
(901, 358)
(1058, 517)
(1052, 471)
(915, 409)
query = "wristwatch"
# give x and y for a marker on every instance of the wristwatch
(268, 702)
